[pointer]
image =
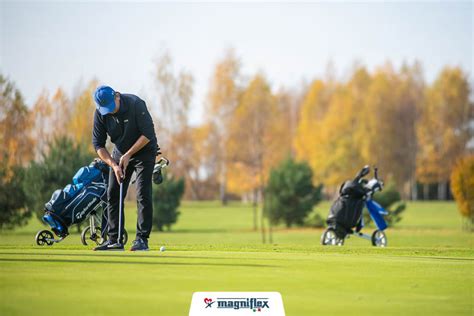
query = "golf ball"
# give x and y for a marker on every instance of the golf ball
(162, 248)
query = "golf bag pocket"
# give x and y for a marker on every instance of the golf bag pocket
(346, 212)
(73, 189)
(352, 189)
(85, 203)
(75, 210)
(86, 175)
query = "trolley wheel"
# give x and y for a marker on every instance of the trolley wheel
(329, 237)
(125, 237)
(86, 236)
(44, 237)
(379, 239)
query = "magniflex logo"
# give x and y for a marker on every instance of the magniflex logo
(236, 303)
(255, 304)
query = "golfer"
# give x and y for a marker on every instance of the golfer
(125, 118)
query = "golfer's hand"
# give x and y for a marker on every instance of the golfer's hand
(118, 173)
(123, 163)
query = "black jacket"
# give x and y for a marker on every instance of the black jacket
(125, 127)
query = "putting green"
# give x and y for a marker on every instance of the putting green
(426, 270)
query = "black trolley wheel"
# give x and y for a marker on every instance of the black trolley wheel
(329, 237)
(379, 239)
(44, 237)
(86, 236)
(98, 240)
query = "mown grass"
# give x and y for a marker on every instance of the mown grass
(427, 268)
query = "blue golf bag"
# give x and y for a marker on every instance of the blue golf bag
(73, 204)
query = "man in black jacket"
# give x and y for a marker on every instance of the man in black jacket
(125, 118)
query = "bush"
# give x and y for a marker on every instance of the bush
(290, 194)
(55, 170)
(315, 220)
(166, 200)
(462, 186)
(13, 210)
(390, 200)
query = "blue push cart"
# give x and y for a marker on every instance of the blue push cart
(340, 228)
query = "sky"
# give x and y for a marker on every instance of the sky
(46, 45)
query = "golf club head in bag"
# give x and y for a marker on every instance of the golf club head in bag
(157, 170)
(363, 172)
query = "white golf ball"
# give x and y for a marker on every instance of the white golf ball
(162, 248)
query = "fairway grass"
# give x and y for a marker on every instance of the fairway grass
(428, 268)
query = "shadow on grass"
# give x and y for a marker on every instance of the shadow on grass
(196, 231)
(135, 262)
(74, 233)
(435, 258)
(117, 254)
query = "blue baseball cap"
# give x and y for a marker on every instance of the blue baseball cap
(104, 97)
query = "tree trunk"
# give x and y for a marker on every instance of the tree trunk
(442, 190)
(414, 190)
(222, 185)
(262, 220)
(426, 191)
(270, 231)
(254, 204)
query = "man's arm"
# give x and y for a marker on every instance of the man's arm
(99, 138)
(139, 144)
(146, 129)
(105, 156)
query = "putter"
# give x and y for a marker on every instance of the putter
(120, 239)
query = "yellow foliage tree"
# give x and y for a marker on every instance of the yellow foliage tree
(16, 124)
(462, 186)
(61, 114)
(255, 133)
(82, 117)
(41, 113)
(388, 120)
(312, 112)
(337, 154)
(222, 100)
(443, 130)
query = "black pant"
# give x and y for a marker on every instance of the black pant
(144, 171)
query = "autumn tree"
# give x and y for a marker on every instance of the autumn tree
(337, 152)
(81, 117)
(15, 127)
(444, 130)
(388, 122)
(174, 133)
(288, 103)
(61, 114)
(222, 100)
(16, 151)
(312, 111)
(41, 113)
(254, 140)
(462, 179)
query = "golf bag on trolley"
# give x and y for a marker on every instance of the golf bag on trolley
(345, 216)
(85, 198)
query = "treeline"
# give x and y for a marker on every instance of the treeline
(412, 130)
